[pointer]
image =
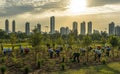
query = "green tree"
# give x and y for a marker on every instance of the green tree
(114, 41)
(35, 41)
(86, 43)
(13, 39)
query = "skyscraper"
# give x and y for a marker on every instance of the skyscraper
(13, 26)
(75, 27)
(112, 28)
(117, 30)
(90, 27)
(38, 28)
(27, 28)
(83, 28)
(7, 26)
(64, 30)
(52, 25)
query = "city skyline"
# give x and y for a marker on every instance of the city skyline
(100, 12)
(84, 27)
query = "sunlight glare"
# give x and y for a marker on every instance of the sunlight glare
(77, 6)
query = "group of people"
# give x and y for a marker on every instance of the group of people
(24, 50)
(8, 51)
(56, 51)
(75, 56)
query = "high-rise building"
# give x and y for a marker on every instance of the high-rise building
(96, 32)
(75, 27)
(67, 30)
(83, 28)
(7, 26)
(112, 28)
(89, 27)
(52, 25)
(64, 30)
(13, 26)
(38, 28)
(27, 28)
(117, 30)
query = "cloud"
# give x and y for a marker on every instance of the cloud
(16, 7)
(94, 3)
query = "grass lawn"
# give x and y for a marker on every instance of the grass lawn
(112, 68)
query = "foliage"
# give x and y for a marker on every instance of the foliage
(35, 39)
(26, 70)
(62, 66)
(87, 41)
(114, 41)
(3, 69)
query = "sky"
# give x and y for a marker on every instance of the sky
(100, 12)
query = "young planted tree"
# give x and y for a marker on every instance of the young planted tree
(13, 40)
(86, 42)
(114, 43)
(35, 41)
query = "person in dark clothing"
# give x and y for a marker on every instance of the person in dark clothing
(76, 56)
(50, 50)
(57, 52)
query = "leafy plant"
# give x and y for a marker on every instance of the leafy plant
(62, 66)
(3, 69)
(26, 70)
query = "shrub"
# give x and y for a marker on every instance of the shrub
(2, 60)
(104, 61)
(3, 69)
(63, 66)
(63, 59)
(39, 63)
(26, 70)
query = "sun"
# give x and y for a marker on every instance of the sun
(77, 6)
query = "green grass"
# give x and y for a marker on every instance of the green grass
(16, 45)
(112, 68)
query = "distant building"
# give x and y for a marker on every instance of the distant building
(90, 27)
(112, 28)
(117, 30)
(52, 25)
(7, 26)
(96, 32)
(75, 27)
(67, 30)
(27, 28)
(13, 26)
(83, 28)
(38, 28)
(64, 30)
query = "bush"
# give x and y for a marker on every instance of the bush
(63, 59)
(3, 69)
(103, 61)
(39, 63)
(26, 70)
(63, 66)
(2, 60)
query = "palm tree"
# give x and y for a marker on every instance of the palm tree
(114, 43)
(86, 42)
